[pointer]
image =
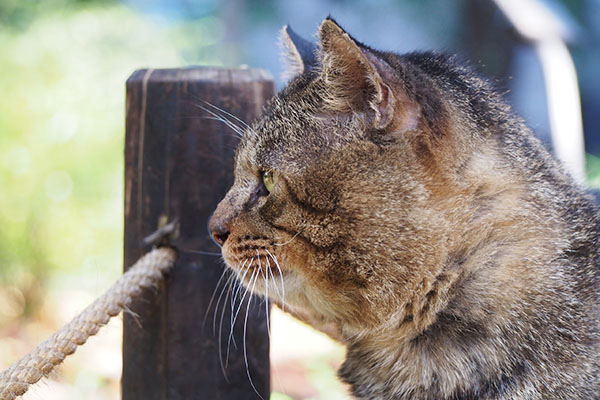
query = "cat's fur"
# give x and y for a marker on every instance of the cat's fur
(421, 223)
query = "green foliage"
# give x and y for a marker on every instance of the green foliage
(62, 82)
(18, 14)
(593, 170)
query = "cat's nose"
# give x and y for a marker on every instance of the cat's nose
(219, 226)
(220, 236)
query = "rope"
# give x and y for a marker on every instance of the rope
(146, 272)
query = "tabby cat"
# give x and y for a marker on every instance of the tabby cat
(397, 203)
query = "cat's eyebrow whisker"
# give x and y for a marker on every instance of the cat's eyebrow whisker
(233, 127)
(230, 124)
(222, 119)
(226, 113)
(227, 121)
(244, 124)
(244, 341)
(238, 129)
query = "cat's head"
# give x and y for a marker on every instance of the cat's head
(333, 204)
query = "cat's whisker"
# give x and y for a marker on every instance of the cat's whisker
(220, 339)
(246, 290)
(238, 285)
(244, 341)
(205, 253)
(209, 233)
(226, 288)
(222, 119)
(231, 339)
(281, 277)
(268, 309)
(265, 276)
(219, 117)
(289, 241)
(234, 128)
(267, 279)
(259, 263)
(226, 113)
(272, 277)
(212, 298)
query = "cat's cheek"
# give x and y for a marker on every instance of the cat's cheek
(228, 257)
(232, 258)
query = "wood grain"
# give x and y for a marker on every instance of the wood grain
(178, 163)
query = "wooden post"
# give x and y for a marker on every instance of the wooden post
(178, 164)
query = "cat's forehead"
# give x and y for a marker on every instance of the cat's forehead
(288, 133)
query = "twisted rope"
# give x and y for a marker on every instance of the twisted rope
(146, 272)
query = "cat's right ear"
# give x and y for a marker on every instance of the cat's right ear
(298, 54)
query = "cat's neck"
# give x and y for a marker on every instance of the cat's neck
(453, 338)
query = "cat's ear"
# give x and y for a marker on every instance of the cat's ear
(354, 76)
(298, 54)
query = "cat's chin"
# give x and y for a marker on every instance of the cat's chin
(289, 291)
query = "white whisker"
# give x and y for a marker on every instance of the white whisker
(239, 285)
(280, 276)
(220, 341)
(220, 118)
(226, 113)
(205, 253)
(227, 123)
(265, 275)
(225, 288)
(212, 298)
(259, 264)
(247, 289)
(244, 343)
(240, 282)
(293, 237)
(272, 277)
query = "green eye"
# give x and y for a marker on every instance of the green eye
(269, 179)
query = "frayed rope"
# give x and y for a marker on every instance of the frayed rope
(146, 272)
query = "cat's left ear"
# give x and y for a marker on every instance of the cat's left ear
(298, 54)
(357, 79)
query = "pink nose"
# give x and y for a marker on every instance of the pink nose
(219, 227)
(220, 237)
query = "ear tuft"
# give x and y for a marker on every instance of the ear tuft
(298, 54)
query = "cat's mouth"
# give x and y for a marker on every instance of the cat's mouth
(255, 263)
(252, 255)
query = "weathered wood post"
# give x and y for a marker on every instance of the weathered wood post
(179, 165)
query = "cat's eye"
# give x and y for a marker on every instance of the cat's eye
(269, 179)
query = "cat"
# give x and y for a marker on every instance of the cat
(397, 203)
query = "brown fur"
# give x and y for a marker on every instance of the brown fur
(419, 222)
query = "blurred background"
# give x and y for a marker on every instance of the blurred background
(63, 66)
